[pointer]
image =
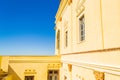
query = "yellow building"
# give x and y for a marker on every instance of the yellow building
(30, 68)
(4, 68)
(87, 46)
(87, 39)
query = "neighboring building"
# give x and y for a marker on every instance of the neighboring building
(34, 67)
(4, 75)
(87, 39)
(87, 46)
(31, 68)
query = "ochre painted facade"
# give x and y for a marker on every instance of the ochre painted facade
(87, 46)
(93, 49)
(4, 68)
(37, 66)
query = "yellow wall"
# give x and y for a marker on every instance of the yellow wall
(0, 60)
(102, 21)
(4, 63)
(111, 22)
(98, 53)
(40, 68)
(41, 65)
(4, 60)
(100, 49)
(9, 77)
(93, 30)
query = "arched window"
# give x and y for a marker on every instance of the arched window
(58, 39)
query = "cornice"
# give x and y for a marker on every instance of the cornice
(30, 71)
(114, 70)
(99, 75)
(54, 66)
(80, 7)
(62, 5)
(94, 51)
(56, 57)
(34, 61)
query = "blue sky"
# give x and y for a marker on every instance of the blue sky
(27, 27)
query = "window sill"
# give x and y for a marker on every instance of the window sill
(80, 42)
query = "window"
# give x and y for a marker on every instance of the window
(82, 28)
(53, 75)
(29, 77)
(66, 38)
(58, 39)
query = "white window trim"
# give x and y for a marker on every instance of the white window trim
(65, 41)
(78, 26)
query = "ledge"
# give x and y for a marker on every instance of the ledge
(60, 9)
(93, 51)
(34, 59)
(110, 69)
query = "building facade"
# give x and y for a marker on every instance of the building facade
(87, 39)
(87, 46)
(30, 68)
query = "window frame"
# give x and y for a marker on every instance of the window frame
(82, 28)
(66, 38)
(58, 40)
(53, 74)
(33, 77)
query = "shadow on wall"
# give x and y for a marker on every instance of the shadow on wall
(13, 73)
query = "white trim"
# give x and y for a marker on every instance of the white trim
(34, 61)
(115, 70)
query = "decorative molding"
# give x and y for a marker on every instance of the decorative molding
(60, 19)
(62, 5)
(55, 66)
(94, 51)
(60, 9)
(80, 7)
(30, 71)
(80, 10)
(99, 75)
(115, 70)
(69, 2)
(70, 67)
(34, 61)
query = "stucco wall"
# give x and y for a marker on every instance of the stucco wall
(111, 22)
(21, 66)
(40, 68)
(102, 21)
(4, 63)
(100, 49)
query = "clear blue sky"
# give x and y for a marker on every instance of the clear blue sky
(27, 27)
